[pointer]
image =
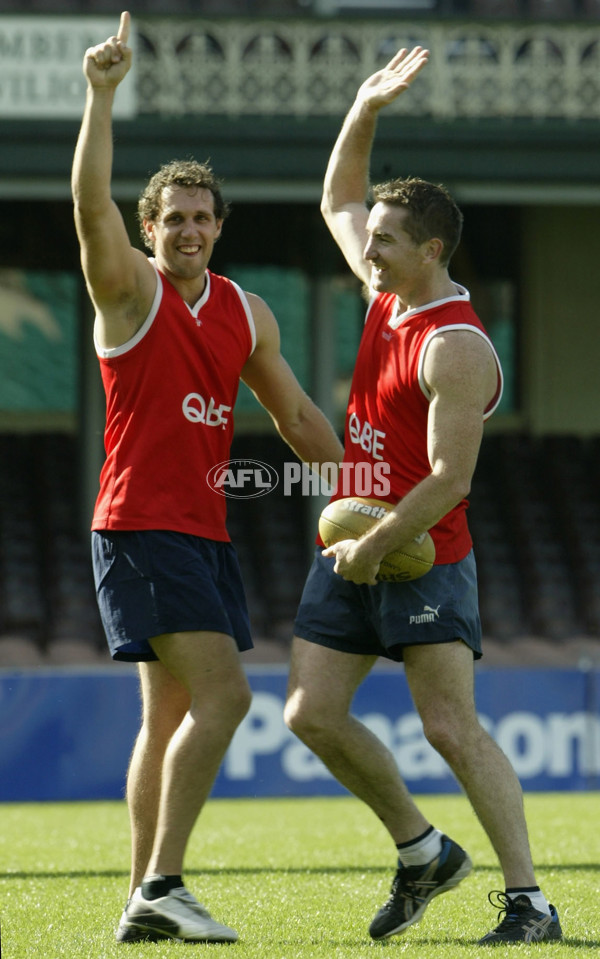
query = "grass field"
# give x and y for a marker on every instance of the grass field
(298, 879)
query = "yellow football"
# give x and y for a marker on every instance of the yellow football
(352, 516)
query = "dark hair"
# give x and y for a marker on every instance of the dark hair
(186, 173)
(431, 211)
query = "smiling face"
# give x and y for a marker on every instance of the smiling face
(399, 264)
(184, 233)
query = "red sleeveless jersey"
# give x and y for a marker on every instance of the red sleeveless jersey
(170, 393)
(386, 421)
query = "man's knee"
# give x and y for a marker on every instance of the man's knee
(163, 712)
(241, 700)
(443, 740)
(293, 713)
(308, 720)
(229, 703)
(451, 739)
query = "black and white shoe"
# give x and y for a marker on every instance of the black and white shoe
(414, 887)
(522, 922)
(174, 916)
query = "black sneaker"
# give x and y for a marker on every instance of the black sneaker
(522, 922)
(414, 887)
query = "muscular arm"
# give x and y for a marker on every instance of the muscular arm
(346, 181)
(120, 279)
(298, 421)
(461, 373)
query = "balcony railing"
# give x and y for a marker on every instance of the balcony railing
(312, 68)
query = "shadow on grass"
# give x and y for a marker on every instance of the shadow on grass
(269, 870)
(432, 941)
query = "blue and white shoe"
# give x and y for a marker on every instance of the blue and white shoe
(414, 887)
(522, 922)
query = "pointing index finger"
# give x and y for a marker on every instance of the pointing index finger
(123, 34)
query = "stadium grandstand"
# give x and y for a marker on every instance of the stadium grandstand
(537, 9)
(508, 117)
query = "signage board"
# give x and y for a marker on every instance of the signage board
(41, 75)
(68, 734)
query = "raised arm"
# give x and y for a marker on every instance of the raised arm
(298, 420)
(119, 278)
(346, 183)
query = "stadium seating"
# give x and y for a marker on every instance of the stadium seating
(46, 591)
(535, 520)
(505, 9)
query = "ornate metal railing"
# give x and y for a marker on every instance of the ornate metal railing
(312, 68)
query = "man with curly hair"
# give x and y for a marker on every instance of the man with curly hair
(173, 340)
(185, 173)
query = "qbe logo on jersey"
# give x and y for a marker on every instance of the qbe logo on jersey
(242, 479)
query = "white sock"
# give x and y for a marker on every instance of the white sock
(535, 895)
(421, 850)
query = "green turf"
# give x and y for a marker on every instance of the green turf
(298, 878)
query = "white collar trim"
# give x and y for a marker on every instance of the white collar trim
(397, 318)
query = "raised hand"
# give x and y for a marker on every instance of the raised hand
(106, 64)
(385, 85)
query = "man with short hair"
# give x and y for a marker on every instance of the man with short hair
(426, 378)
(173, 340)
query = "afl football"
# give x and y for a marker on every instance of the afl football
(352, 516)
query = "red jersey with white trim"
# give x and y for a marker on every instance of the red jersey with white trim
(386, 420)
(170, 393)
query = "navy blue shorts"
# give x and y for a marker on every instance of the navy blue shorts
(152, 582)
(440, 607)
